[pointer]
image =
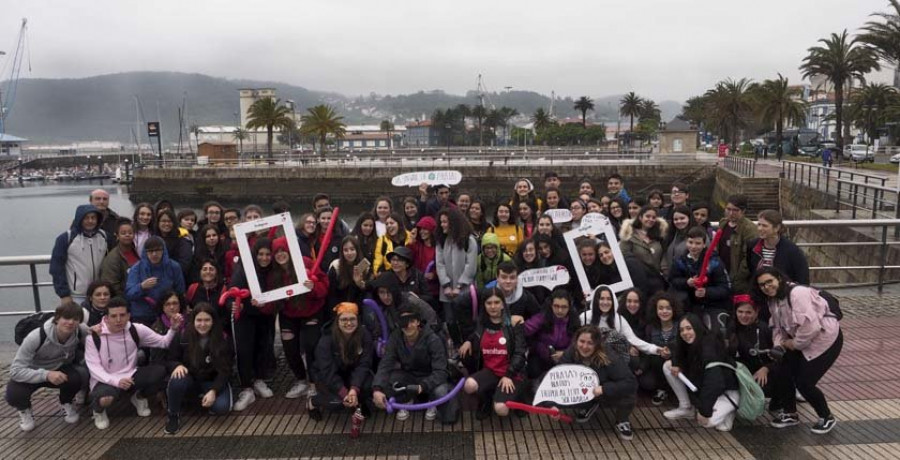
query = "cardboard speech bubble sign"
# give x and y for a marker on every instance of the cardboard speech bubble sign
(548, 277)
(567, 385)
(278, 220)
(560, 215)
(414, 179)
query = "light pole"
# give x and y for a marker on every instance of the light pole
(290, 103)
(447, 126)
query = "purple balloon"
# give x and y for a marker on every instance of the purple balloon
(382, 342)
(429, 266)
(392, 404)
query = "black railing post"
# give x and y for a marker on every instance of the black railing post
(34, 288)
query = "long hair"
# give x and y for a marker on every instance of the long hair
(400, 237)
(201, 251)
(487, 293)
(623, 305)
(220, 277)
(654, 232)
(349, 347)
(512, 216)
(379, 200)
(367, 242)
(151, 227)
(599, 357)
(459, 232)
(407, 222)
(216, 346)
(345, 270)
(550, 318)
(482, 225)
(653, 316)
(595, 307)
(519, 257)
(780, 294)
(690, 353)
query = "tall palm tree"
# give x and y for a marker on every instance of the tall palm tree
(320, 121)
(541, 119)
(841, 60)
(871, 106)
(730, 108)
(777, 103)
(240, 135)
(884, 36)
(649, 110)
(630, 106)
(268, 113)
(479, 113)
(583, 104)
(388, 127)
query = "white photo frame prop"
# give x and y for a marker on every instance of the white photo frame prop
(278, 220)
(597, 225)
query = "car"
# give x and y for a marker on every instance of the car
(895, 159)
(859, 153)
(825, 145)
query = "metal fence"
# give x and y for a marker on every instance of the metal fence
(743, 166)
(823, 178)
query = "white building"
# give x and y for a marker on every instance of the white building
(11, 145)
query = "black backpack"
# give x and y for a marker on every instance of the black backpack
(131, 329)
(32, 322)
(834, 305)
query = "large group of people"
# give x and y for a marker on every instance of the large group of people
(140, 315)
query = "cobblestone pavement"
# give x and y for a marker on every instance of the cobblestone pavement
(861, 388)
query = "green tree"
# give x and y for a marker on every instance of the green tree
(541, 120)
(268, 113)
(883, 35)
(630, 106)
(583, 104)
(871, 106)
(388, 127)
(776, 103)
(730, 108)
(694, 110)
(240, 135)
(320, 121)
(479, 113)
(841, 60)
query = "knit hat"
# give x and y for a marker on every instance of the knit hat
(427, 223)
(280, 244)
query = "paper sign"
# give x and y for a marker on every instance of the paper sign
(414, 179)
(278, 220)
(600, 227)
(548, 277)
(593, 223)
(559, 216)
(567, 385)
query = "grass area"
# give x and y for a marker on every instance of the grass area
(879, 167)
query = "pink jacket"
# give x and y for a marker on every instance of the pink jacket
(805, 321)
(117, 357)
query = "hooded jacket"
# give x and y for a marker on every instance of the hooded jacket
(718, 288)
(78, 255)
(168, 274)
(115, 268)
(617, 380)
(651, 253)
(34, 361)
(426, 360)
(329, 366)
(117, 356)
(384, 245)
(391, 313)
(308, 305)
(619, 324)
(558, 336)
(456, 266)
(487, 268)
(240, 281)
(522, 302)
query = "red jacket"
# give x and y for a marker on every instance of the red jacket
(308, 305)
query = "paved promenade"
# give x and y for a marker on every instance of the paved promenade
(862, 388)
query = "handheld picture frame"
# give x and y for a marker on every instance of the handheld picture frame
(597, 225)
(278, 220)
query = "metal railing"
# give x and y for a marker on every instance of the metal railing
(866, 197)
(823, 178)
(32, 262)
(743, 166)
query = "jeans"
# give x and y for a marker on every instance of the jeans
(798, 374)
(187, 385)
(148, 380)
(18, 394)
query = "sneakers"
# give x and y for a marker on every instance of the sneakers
(824, 425)
(726, 424)
(799, 397)
(784, 420)
(402, 415)
(262, 389)
(297, 390)
(484, 411)
(26, 420)
(624, 430)
(246, 398)
(680, 412)
(71, 413)
(584, 415)
(431, 413)
(143, 408)
(172, 424)
(659, 397)
(101, 421)
(312, 390)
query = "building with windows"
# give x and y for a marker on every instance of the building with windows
(11, 145)
(421, 134)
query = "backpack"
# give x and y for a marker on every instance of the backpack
(834, 305)
(131, 329)
(752, 400)
(36, 321)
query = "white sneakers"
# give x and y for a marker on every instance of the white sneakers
(141, 405)
(71, 413)
(246, 398)
(26, 420)
(402, 415)
(262, 389)
(101, 421)
(728, 423)
(431, 413)
(297, 390)
(681, 412)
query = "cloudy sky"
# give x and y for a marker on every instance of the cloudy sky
(663, 49)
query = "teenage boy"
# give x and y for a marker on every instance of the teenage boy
(551, 181)
(738, 230)
(112, 356)
(431, 206)
(615, 186)
(490, 258)
(710, 300)
(518, 300)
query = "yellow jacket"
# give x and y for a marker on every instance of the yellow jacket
(511, 236)
(383, 245)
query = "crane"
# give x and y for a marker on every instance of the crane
(14, 64)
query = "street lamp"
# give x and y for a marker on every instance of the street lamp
(449, 133)
(290, 103)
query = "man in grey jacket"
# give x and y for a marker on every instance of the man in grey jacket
(78, 254)
(47, 358)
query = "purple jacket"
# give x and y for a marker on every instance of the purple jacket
(558, 338)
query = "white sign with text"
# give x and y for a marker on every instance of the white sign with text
(567, 385)
(548, 277)
(414, 179)
(559, 216)
(262, 226)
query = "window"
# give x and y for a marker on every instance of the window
(677, 146)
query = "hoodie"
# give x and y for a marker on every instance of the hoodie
(619, 324)
(169, 276)
(34, 361)
(117, 357)
(522, 303)
(78, 255)
(487, 268)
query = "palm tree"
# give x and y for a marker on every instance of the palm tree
(776, 103)
(730, 108)
(541, 120)
(240, 135)
(583, 104)
(388, 127)
(268, 113)
(841, 60)
(630, 106)
(871, 106)
(649, 110)
(884, 37)
(320, 121)
(479, 113)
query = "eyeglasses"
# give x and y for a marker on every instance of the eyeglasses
(766, 283)
(230, 218)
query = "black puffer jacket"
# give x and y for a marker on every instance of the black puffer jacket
(616, 378)
(426, 360)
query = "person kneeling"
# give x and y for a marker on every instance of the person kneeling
(617, 384)
(414, 363)
(112, 361)
(46, 358)
(201, 360)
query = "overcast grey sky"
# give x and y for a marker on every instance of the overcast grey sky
(663, 49)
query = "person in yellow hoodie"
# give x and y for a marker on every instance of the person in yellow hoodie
(394, 237)
(509, 234)
(490, 258)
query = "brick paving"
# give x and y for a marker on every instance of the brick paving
(861, 387)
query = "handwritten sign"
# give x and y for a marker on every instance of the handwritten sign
(278, 220)
(567, 385)
(414, 179)
(548, 277)
(593, 223)
(559, 216)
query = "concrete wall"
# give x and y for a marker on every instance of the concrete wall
(763, 192)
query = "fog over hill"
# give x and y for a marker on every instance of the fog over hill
(104, 107)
